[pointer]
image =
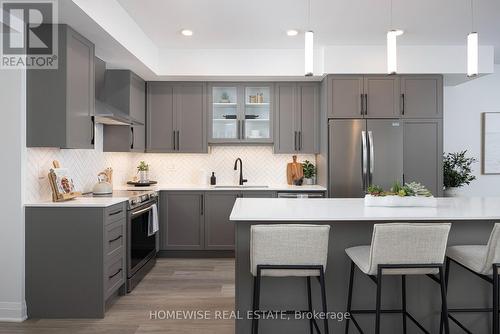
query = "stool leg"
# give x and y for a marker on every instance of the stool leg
(495, 299)
(323, 297)
(379, 292)
(309, 303)
(444, 304)
(349, 296)
(256, 301)
(403, 294)
(446, 279)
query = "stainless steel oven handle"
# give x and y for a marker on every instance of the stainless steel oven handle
(142, 211)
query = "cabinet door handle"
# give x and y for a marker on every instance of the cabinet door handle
(300, 140)
(362, 106)
(119, 271)
(115, 239)
(202, 209)
(178, 141)
(92, 139)
(173, 140)
(116, 212)
(402, 104)
(243, 129)
(366, 104)
(295, 140)
(132, 144)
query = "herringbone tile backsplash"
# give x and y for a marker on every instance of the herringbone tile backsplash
(260, 166)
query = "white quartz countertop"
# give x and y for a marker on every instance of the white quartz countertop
(225, 187)
(97, 202)
(343, 210)
(88, 201)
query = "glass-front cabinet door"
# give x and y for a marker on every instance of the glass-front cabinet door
(257, 118)
(240, 113)
(225, 115)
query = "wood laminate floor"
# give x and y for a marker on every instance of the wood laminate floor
(172, 285)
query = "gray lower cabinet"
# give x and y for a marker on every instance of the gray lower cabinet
(176, 117)
(60, 102)
(296, 118)
(423, 153)
(193, 221)
(182, 220)
(75, 260)
(219, 230)
(422, 96)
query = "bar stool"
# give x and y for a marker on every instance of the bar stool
(287, 250)
(482, 261)
(400, 249)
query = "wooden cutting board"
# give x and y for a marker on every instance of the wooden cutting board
(294, 171)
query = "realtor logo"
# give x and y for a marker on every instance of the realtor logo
(29, 34)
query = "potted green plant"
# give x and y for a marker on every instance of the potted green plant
(143, 170)
(457, 172)
(224, 98)
(309, 172)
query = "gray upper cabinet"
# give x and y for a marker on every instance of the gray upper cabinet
(120, 138)
(176, 117)
(60, 102)
(160, 117)
(296, 118)
(381, 96)
(219, 230)
(345, 96)
(190, 114)
(422, 96)
(182, 220)
(423, 153)
(126, 91)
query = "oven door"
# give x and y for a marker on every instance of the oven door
(141, 246)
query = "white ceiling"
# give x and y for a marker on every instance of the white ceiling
(261, 24)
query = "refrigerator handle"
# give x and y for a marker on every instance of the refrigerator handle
(372, 155)
(364, 160)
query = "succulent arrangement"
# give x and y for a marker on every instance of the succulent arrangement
(408, 189)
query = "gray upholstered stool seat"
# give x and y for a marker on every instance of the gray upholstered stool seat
(484, 262)
(285, 250)
(400, 249)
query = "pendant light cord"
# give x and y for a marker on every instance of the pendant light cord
(471, 14)
(390, 26)
(309, 15)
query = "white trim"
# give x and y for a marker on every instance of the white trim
(13, 312)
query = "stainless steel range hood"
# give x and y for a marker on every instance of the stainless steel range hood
(104, 112)
(107, 114)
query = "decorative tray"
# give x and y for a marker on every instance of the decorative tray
(142, 184)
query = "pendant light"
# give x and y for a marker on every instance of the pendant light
(309, 45)
(392, 57)
(472, 47)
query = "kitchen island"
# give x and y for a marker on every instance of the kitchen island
(352, 224)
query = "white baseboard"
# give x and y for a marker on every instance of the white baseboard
(13, 312)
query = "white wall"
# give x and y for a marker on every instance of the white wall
(463, 105)
(12, 95)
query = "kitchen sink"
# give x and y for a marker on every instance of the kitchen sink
(240, 187)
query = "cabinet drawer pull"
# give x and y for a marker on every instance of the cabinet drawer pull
(115, 239)
(116, 212)
(119, 271)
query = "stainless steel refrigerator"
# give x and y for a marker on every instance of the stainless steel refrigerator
(364, 152)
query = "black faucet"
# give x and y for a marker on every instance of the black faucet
(242, 180)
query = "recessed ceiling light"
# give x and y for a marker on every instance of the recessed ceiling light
(292, 32)
(187, 32)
